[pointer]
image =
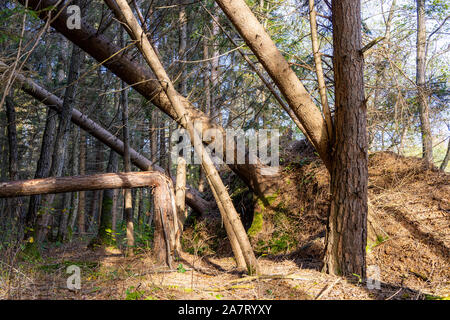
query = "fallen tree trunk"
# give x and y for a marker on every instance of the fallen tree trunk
(166, 222)
(81, 183)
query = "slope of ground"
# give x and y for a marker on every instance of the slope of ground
(408, 247)
(408, 227)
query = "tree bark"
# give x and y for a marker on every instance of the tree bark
(42, 170)
(427, 142)
(154, 125)
(105, 231)
(55, 185)
(128, 209)
(14, 207)
(62, 135)
(346, 237)
(444, 163)
(82, 195)
(180, 191)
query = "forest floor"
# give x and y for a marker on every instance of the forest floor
(408, 249)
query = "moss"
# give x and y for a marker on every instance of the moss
(270, 199)
(258, 214)
(257, 224)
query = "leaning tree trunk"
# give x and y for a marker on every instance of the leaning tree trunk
(345, 252)
(298, 99)
(444, 163)
(193, 199)
(102, 50)
(222, 195)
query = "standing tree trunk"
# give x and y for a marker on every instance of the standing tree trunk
(298, 99)
(215, 113)
(12, 138)
(180, 195)
(425, 127)
(14, 205)
(319, 70)
(345, 252)
(192, 198)
(42, 171)
(207, 105)
(64, 218)
(82, 195)
(74, 172)
(96, 201)
(154, 124)
(105, 231)
(128, 209)
(62, 136)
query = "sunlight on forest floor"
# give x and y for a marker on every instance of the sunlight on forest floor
(408, 241)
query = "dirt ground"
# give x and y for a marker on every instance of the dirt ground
(407, 250)
(107, 274)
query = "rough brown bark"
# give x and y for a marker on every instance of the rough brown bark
(42, 170)
(346, 237)
(82, 195)
(128, 209)
(444, 163)
(425, 127)
(103, 181)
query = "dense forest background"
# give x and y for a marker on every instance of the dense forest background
(208, 62)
